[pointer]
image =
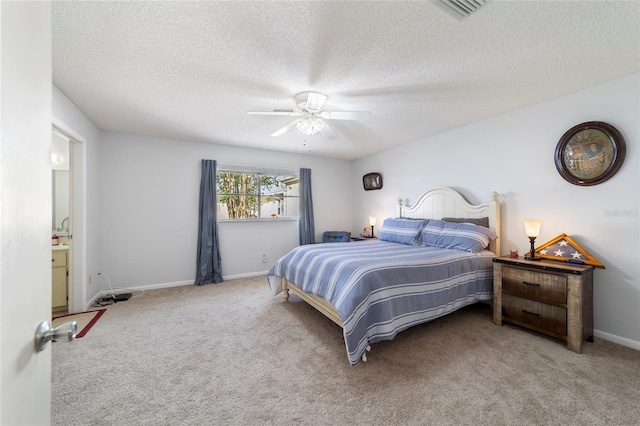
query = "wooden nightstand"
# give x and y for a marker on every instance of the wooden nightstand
(554, 298)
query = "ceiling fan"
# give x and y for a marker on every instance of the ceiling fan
(312, 116)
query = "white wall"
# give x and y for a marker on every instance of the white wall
(149, 196)
(513, 154)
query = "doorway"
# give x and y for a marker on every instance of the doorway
(60, 223)
(69, 210)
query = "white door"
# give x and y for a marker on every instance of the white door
(25, 210)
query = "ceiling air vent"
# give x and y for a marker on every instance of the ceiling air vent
(461, 8)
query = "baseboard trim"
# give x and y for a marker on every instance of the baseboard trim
(633, 344)
(248, 275)
(102, 293)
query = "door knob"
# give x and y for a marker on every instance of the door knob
(45, 333)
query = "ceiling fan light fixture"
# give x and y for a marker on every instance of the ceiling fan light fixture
(310, 125)
(312, 117)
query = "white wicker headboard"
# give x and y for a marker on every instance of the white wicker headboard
(446, 202)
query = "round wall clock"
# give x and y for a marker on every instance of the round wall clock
(590, 153)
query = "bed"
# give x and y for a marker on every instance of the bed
(420, 268)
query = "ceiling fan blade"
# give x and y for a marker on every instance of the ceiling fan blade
(331, 132)
(286, 128)
(275, 112)
(344, 115)
(316, 100)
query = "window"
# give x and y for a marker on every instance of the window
(244, 194)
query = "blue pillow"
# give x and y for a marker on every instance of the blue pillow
(457, 236)
(401, 231)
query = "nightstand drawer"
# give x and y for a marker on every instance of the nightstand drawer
(534, 314)
(540, 286)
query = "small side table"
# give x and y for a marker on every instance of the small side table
(554, 298)
(363, 239)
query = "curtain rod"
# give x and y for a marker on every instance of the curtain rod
(255, 169)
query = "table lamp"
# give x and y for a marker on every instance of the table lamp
(532, 228)
(372, 222)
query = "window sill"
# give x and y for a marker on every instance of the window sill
(264, 219)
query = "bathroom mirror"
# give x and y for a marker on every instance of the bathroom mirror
(60, 199)
(60, 182)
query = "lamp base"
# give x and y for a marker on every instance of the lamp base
(532, 252)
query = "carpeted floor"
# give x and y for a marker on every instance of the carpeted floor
(232, 354)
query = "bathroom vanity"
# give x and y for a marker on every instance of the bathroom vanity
(59, 277)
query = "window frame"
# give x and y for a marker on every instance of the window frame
(259, 172)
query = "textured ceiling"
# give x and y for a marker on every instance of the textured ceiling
(192, 70)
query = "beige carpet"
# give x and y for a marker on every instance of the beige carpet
(232, 354)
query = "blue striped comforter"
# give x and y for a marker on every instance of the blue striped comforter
(380, 288)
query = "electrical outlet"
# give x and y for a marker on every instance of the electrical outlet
(264, 258)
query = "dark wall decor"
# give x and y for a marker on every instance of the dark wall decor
(372, 181)
(590, 153)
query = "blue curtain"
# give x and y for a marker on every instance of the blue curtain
(208, 263)
(307, 229)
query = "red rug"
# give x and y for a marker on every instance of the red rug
(85, 320)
